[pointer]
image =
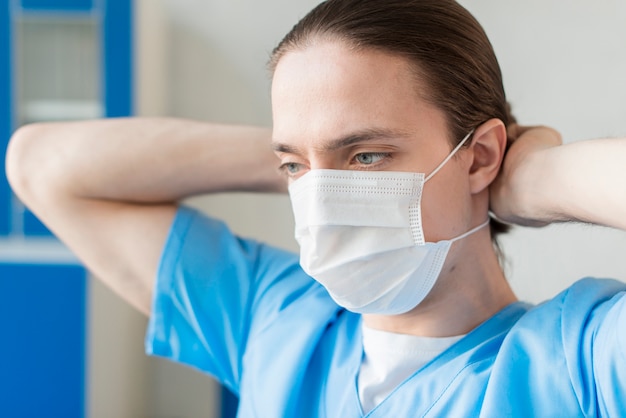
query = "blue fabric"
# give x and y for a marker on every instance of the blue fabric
(247, 314)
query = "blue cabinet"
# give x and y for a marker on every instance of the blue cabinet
(42, 354)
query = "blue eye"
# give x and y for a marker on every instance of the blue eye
(368, 158)
(291, 168)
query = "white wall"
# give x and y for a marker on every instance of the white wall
(563, 64)
(118, 372)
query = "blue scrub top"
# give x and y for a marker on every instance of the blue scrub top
(247, 314)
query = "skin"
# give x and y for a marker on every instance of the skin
(114, 209)
(328, 92)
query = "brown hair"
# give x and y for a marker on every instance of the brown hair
(447, 46)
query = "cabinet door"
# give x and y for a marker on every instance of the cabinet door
(42, 343)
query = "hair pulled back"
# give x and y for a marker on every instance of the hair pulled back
(446, 46)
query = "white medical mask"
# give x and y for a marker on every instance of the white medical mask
(361, 237)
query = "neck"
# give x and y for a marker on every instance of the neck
(471, 288)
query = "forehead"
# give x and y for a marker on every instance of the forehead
(328, 89)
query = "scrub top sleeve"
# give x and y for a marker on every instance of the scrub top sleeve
(212, 290)
(609, 358)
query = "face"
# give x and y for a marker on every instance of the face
(337, 108)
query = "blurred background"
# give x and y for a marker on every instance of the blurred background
(69, 347)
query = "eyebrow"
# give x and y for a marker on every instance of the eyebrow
(366, 135)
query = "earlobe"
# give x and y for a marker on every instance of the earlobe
(488, 147)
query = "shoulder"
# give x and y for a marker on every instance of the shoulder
(578, 301)
(553, 349)
(219, 296)
(196, 239)
(567, 323)
(203, 256)
(593, 291)
(572, 308)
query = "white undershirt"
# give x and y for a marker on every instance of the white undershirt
(389, 359)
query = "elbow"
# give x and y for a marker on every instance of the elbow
(23, 161)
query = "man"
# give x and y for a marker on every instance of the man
(392, 166)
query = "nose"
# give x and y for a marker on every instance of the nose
(328, 160)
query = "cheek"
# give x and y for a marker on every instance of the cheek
(446, 206)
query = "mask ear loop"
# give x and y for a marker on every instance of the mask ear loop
(458, 147)
(471, 231)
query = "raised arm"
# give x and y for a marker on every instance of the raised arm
(109, 188)
(543, 182)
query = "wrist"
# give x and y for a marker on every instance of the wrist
(523, 193)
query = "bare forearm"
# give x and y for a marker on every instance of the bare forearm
(583, 181)
(144, 160)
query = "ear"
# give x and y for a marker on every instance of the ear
(488, 146)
